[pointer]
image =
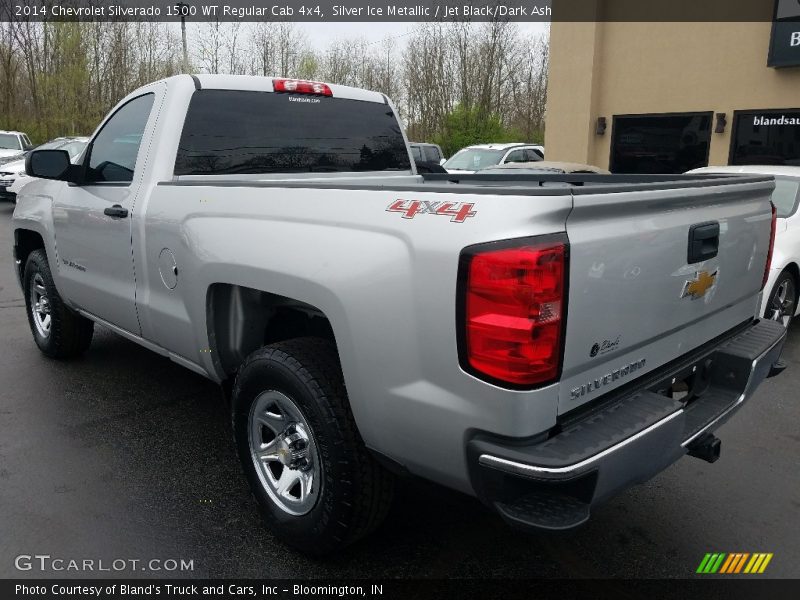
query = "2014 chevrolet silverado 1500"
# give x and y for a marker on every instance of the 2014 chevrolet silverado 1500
(539, 341)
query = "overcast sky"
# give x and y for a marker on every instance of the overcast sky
(321, 34)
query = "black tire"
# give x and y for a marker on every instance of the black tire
(70, 334)
(355, 491)
(782, 303)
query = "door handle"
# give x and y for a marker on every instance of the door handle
(116, 211)
(703, 242)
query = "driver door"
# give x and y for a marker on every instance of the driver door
(92, 220)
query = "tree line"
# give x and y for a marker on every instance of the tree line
(454, 83)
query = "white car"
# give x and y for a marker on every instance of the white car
(544, 167)
(475, 158)
(13, 176)
(781, 291)
(13, 144)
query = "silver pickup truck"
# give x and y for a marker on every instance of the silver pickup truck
(539, 341)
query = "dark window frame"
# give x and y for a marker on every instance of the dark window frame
(615, 125)
(87, 152)
(752, 112)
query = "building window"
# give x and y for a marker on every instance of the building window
(766, 137)
(664, 143)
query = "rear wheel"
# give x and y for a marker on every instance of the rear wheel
(783, 299)
(318, 487)
(59, 331)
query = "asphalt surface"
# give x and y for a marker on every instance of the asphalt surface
(124, 455)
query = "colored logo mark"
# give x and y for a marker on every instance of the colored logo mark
(736, 562)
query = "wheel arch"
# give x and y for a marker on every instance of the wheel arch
(793, 268)
(25, 242)
(242, 319)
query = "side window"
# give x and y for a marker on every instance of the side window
(515, 157)
(531, 155)
(26, 142)
(432, 154)
(416, 153)
(785, 196)
(112, 156)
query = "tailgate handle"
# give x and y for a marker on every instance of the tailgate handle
(703, 242)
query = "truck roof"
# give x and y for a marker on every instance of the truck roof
(258, 83)
(503, 146)
(12, 132)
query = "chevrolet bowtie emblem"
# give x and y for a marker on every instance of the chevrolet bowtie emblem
(697, 287)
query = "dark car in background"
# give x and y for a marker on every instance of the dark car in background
(425, 152)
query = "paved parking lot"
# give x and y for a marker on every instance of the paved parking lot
(123, 454)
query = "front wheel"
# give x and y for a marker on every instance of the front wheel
(782, 302)
(316, 484)
(58, 330)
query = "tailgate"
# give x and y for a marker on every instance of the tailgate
(635, 301)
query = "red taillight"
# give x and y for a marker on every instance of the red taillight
(771, 246)
(514, 311)
(299, 86)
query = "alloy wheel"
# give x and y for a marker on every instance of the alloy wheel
(783, 301)
(284, 453)
(40, 306)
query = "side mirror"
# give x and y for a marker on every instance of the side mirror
(441, 162)
(49, 164)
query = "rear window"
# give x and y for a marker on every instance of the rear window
(785, 196)
(9, 141)
(432, 154)
(473, 159)
(240, 132)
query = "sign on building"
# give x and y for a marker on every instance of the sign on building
(784, 45)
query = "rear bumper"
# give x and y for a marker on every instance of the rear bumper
(552, 482)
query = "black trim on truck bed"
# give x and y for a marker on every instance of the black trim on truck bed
(517, 185)
(552, 483)
(593, 183)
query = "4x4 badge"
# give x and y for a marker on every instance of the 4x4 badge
(457, 211)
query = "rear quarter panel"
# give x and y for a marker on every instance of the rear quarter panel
(387, 285)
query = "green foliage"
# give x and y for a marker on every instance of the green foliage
(467, 126)
(308, 67)
(61, 78)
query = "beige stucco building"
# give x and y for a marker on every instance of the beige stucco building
(661, 88)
